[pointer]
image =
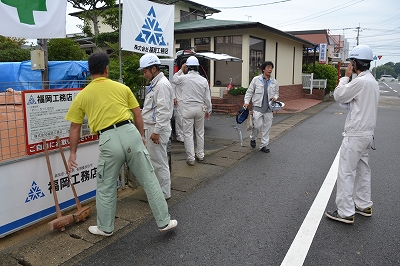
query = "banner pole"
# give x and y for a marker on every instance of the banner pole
(120, 50)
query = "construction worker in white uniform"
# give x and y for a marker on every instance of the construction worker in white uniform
(178, 106)
(196, 98)
(262, 89)
(157, 113)
(361, 95)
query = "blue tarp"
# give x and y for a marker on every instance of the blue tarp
(62, 74)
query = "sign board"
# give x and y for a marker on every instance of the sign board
(25, 191)
(44, 117)
(322, 53)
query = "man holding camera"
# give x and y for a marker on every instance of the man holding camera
(361, 96)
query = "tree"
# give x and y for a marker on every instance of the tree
(111, 18)
(386, 69)
(65, 49)
(11, 42)
(323, 71)
(107, 38)
(11, 51)
(92, 10)
(132, 77)
(397, 68)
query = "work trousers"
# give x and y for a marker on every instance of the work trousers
(262, 122)
(179, 122)
(159, 158)
(193, 115)
(117, 146)
(354, 176)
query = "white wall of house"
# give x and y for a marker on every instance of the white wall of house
(288, 66)
(102, 27)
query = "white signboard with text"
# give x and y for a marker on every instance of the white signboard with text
(25, 191)
(322, 53)
(44, 112)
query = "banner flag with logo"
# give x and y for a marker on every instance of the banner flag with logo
(33, 19)
(147, 27)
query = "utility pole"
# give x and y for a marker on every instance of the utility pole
(358, 33)
(45, 71)
(120, 50)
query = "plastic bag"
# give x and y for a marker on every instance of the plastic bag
(250, 122)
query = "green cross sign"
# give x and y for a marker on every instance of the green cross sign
(25, 9)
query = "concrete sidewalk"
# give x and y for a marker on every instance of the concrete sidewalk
(37, 245)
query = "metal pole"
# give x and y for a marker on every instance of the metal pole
(45, 72)
(120, 51)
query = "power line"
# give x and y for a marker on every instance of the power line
(233, 7)
(319, 14)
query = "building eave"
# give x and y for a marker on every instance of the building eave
(234, 25)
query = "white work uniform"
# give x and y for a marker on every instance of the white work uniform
(262, 121)
(354, 175)
(157, 113)
(178, 112)
(196, 99)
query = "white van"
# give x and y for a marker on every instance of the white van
(387, 78)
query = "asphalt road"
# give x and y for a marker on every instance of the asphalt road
(390, 88)
(251, 214)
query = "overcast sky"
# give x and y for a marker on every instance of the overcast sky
(378, 20)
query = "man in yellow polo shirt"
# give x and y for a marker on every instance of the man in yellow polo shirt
(109, 106)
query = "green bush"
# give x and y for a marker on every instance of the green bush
(11, 51)
(323, 71)
(103, 39)
(237, 91)
(15, 55)
(64, 49)
(132, 77)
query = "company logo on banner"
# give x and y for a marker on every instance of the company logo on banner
(147, 27)
(34, 19)
(322, 53)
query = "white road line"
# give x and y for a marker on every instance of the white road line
(301, 244)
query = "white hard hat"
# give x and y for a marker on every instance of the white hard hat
(276, 105)
(148, 60)
(361, 52)
(192, 61)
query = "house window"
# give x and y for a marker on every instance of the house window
(231, 45)
(193, 14)
(257, 56)
(202, 44)
(182, 44)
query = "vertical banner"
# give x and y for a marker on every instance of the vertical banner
(147, 27)
(322, 53)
